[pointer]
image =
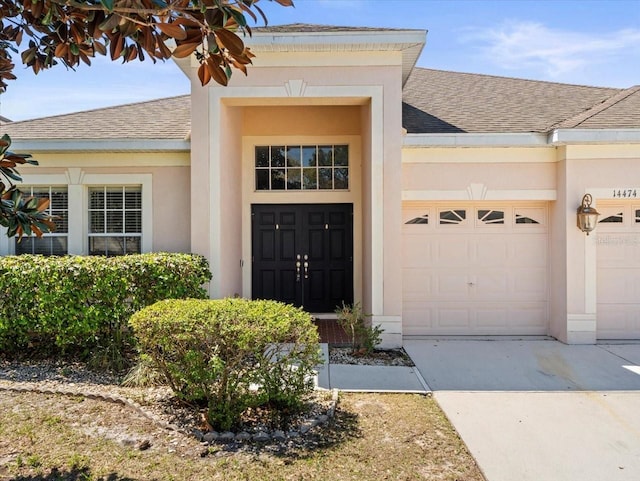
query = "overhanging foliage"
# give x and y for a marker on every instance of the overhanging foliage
(70, 32)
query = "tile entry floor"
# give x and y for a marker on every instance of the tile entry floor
(330, 332)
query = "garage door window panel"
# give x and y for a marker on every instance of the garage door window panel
(452, 217)
(529, 216)
(423, 219)
(490, 217)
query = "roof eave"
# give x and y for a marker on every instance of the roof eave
(594, 136)
(100, 145)
(473, 139)
(409, 42)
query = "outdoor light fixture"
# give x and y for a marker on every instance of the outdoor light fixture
(587, 215)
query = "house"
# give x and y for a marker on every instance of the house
(338, 171)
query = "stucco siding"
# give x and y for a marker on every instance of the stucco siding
(301, 120)
(498, 176)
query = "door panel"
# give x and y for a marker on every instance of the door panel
(475, 269)
(303, 254)
(618, 270)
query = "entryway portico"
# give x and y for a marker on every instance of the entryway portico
(306, 100)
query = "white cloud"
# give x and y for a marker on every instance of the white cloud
(556, 53)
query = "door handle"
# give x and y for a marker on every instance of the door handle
(306, 266)
(298, 268)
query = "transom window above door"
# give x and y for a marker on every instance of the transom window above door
(302, 167)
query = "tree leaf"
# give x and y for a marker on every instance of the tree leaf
(172, 30)
(107, 4)
(203, 74)
(217, 73)
(185, 50)
(100, 48)
(230, 40)
(111, 22)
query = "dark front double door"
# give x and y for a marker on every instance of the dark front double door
(303, 254)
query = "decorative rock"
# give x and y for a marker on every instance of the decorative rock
(261, 437)
(293, 434)
(304, 428)
(210, 437)
(278, 436)
(226, 437)
(199, 435)
(323, 418)
(243, 436)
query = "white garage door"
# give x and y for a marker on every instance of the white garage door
(475, 269)
(618, 278)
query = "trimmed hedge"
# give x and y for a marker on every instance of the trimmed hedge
(72, 305)
(231, 354)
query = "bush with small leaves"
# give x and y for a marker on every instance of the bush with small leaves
(79, 306)
(230, 354)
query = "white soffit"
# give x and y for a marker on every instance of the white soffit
(409, 42)
(594, 136)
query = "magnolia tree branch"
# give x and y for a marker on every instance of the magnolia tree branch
(46, 33)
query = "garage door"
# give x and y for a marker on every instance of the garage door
(475, 269)
(618, 278)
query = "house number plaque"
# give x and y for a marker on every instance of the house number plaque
(625, 193)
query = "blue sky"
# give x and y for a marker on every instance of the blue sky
(588, 42)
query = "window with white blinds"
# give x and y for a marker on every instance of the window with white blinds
(54, 243)
(115, 220)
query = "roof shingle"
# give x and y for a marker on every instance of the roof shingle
(434, 101)
(437, 101)
(167, 119)
(619, 111)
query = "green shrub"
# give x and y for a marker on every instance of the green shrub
(76, 305)
(230, 354)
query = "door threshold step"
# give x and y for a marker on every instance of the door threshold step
(325, 316)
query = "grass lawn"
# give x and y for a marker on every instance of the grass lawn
(374, 436)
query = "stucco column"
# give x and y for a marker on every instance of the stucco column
(200, 155)
(573, 264)
(390, 317)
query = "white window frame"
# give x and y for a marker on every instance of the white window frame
(23, 188)
(301, 168)
(7, 245)
(78, 184)
(144, 181)
(123, 235)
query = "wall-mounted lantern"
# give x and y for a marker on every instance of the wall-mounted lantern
(587, 215)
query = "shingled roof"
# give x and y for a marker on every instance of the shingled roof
(620, 111)
(436, 101)
(167, 119)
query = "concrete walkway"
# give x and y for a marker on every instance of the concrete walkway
(348, 377)
(539, 409)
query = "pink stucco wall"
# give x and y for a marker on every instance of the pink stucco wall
(301, 120)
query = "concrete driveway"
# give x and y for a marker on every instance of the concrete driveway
(539, 409)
